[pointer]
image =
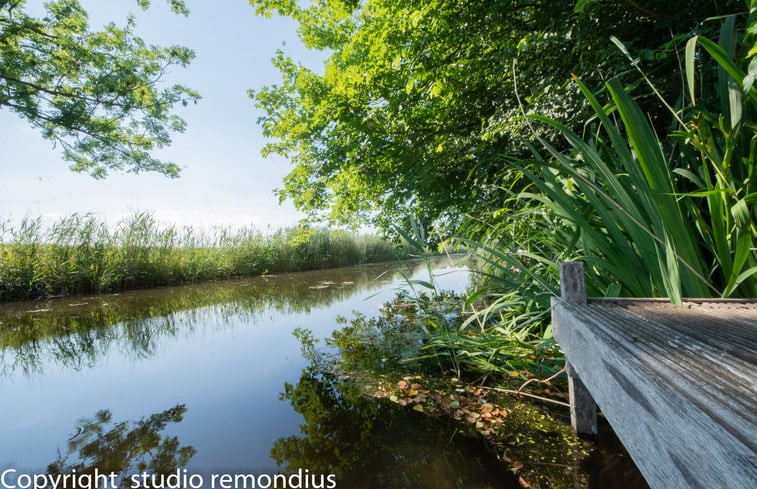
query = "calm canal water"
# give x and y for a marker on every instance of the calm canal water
(203, 367)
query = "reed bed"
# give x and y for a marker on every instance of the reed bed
(80, 254)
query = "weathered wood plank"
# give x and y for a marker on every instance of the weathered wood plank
(696, 366)
(572, 282)
(683, 406)
(583, 410)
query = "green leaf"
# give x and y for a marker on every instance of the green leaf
(409, 86)
(727, 63)
(622, 48)
(739, 280)
(751, 75)
(691, 48)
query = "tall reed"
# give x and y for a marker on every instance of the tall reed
(81, 254)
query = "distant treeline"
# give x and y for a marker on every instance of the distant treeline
(80, 254)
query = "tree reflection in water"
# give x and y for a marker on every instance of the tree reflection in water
(124, 448)
(370, 443)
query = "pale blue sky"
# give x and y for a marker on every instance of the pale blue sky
(224, 180)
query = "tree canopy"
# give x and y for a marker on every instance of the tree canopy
(96, 94)
(417, 113)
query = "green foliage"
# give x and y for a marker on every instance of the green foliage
(650, 216)
(96, 94)
(621, 209)
(720, 132)
(429, 332)
(669, 216)
(672, 217)
(80, 254)
(456, 335)
(415, 112)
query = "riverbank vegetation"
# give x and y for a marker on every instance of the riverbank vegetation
(80, 254)
(621, 134)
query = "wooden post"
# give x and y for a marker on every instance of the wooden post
(583, 410)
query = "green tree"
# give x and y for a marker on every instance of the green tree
(96, 94)
(416, 111)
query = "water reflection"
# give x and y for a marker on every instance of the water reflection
(101, 445)
(367, 443)
(371, 443)
(76, 333)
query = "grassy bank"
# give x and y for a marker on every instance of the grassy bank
(81, 254)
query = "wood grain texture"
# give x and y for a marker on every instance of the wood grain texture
(583, 410)
(678, 384)
(572, 282)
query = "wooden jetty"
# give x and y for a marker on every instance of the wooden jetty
(678, 384)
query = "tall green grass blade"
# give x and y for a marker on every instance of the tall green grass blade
(690, 64)
(727, 63)
(649, 153)
(751, 272)
(727, 43)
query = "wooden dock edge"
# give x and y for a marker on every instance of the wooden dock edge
(673, 442)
